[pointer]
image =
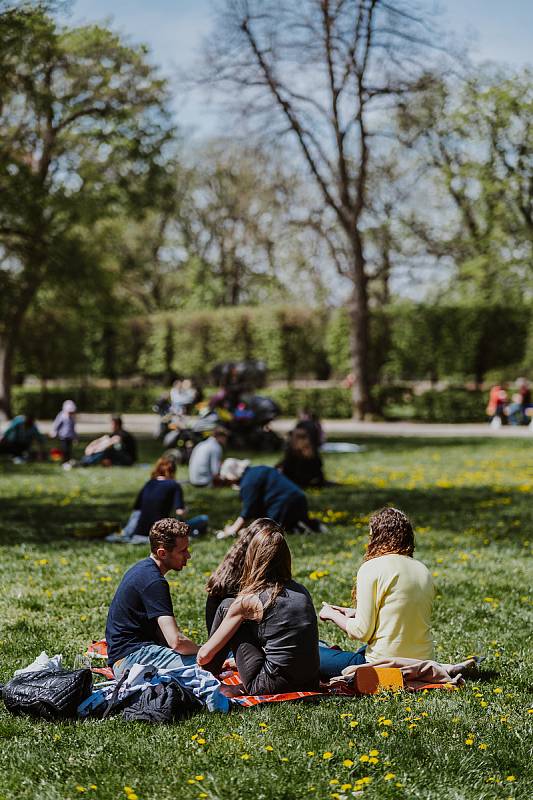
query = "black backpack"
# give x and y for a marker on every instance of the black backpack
(162, 703)
(48, 695)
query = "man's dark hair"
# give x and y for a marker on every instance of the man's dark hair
(118, 419)
(164, 533)
(220, 431)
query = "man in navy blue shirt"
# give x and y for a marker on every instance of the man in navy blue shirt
(265, 492)
(141, 627)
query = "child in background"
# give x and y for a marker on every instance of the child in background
(64, 429)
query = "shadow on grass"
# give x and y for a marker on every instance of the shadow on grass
(40, 519)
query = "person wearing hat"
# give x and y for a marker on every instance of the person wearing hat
(265, 492)
(64, 429)
(206, 458)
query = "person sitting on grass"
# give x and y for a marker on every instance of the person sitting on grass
(206, 459)
(19, 437)
(301, 463)
(225, 582)
(141, 626)
(394, 597)
(160, 497)
(117, 448)
(265, 492)
(271, 626)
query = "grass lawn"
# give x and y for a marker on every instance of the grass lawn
(471, 503)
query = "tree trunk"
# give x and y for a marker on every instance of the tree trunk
(6, 361)
(359, 335)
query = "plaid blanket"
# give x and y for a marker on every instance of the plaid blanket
(230, 677)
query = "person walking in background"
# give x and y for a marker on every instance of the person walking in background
(206, 459)
(64, 429)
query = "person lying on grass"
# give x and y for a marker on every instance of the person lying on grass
(394, 597)
(271, 625)
(141, 626)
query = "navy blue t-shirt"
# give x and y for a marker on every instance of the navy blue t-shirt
(265, 492)
(143, 595)
(158, 499)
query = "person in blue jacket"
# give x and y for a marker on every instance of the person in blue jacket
(265, 492)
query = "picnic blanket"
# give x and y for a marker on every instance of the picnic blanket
(356, 681)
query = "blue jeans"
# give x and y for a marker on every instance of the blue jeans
(333, 661)
(185, 670)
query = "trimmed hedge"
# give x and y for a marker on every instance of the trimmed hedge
(449, 405)
(89, 400)
(332, 402)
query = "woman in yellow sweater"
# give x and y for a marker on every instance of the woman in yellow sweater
(394, 596)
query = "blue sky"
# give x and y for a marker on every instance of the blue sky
(500, 30)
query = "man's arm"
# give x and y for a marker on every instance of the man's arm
(175, 639)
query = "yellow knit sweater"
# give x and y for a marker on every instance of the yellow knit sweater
(393, 614)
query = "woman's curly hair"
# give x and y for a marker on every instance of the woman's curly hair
(391, 532)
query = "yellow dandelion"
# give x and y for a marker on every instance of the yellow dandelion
(310, 752)
(347, 762)
(373, 752)
(373, 760)
(384, 734)
(345, 787)
(354, 723)
(327, 755)
(199, 777)
(482, 746)
(510, 778)
(364, 758)
(81, 789)
(497, 690)
(246, 756)
(469, 741)
(389, 776)
(333, 781)
(201, 741)
(269, 748)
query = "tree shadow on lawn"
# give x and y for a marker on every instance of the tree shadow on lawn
(42, 520)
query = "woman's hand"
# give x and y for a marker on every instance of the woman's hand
(347, 612)
(326, 612)
(203, 655)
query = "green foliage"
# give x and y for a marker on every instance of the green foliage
(288, 339)
(450, 405)
(83, 132)
(332, 402)
(89, 399)
(471, 506)
(464, 341)
(477, 140)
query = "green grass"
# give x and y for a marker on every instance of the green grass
(471, 504)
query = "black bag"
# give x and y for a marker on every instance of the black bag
(48, 695)
(162, 703)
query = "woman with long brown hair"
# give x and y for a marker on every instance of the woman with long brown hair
(271, 624)
(301, 463)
